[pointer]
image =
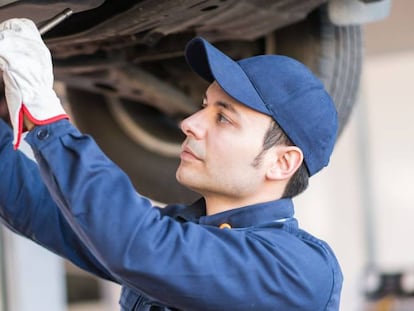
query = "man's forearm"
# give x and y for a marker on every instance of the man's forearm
(27, 208)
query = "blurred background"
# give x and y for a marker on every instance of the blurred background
(362, 204)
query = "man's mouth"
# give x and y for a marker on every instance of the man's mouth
(188, 154)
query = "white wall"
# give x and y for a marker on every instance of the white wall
(389, 92)
(34, 277)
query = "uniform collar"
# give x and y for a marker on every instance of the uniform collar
(242, 217)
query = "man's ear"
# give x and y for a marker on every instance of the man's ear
(285, 162)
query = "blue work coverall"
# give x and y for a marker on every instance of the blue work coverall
(80, 205)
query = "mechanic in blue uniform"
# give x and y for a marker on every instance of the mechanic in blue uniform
(266, 124)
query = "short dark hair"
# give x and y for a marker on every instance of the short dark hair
(300, 179)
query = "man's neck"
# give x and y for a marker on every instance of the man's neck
(218, 204)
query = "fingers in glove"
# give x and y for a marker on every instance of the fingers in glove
(21, 26)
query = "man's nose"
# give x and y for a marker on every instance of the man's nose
(193, 125)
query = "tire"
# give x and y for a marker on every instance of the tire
(333, 53)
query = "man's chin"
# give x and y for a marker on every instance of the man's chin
(180, 176)
(186, 180)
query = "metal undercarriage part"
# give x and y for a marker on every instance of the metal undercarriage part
(147, 22)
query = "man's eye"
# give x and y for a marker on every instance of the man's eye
(222, 119)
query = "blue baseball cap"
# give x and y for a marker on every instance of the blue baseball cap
(280, 87)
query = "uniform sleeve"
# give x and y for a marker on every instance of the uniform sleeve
(27, 208)
(184, 265)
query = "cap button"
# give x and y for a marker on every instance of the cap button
(225, 226)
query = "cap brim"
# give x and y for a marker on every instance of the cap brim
(212, 65)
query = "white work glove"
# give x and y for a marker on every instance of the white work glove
(28, 76)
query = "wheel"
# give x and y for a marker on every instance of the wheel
(333, 53)
(143, 138)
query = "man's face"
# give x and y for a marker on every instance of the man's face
(223, 140)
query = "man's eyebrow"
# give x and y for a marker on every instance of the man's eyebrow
(224, 105)
(227, 106)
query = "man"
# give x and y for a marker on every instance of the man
(266, 124)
